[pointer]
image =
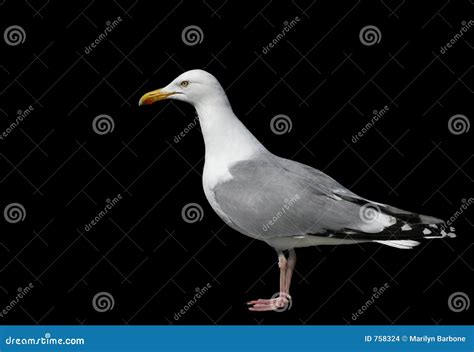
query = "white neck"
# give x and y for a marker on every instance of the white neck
(226, 139)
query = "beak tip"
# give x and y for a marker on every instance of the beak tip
(143, 101)
(154, 96)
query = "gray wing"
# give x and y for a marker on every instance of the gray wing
(276, 197)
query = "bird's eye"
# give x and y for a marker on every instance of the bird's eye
(184, 83)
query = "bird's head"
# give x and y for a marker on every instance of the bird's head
(194, 87)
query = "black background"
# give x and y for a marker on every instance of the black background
(320, 75)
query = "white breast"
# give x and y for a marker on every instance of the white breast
(215, 173)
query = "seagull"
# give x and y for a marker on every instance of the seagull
(282, 202)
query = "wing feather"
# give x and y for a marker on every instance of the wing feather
(275, 197)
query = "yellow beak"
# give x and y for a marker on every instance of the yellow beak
(154, 96)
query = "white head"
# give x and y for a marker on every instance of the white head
(194, 87)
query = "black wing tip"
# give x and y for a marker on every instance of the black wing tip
(398, 232)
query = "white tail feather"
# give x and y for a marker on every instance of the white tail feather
(401, 244)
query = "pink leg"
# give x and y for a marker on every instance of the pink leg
(290, 267)
(282, 299)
